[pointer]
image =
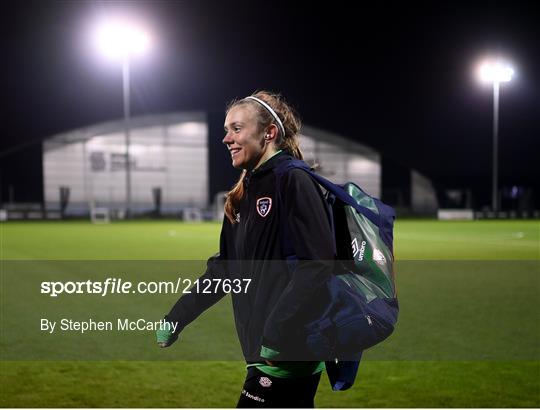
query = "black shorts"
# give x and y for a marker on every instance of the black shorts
(262, 390)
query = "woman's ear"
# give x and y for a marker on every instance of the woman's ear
(271, 133)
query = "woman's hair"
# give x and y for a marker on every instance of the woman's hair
(287, 142)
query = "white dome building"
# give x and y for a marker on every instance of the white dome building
(169, 159)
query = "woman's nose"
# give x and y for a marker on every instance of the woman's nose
(227, 139)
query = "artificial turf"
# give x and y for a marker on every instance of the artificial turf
(468, 333)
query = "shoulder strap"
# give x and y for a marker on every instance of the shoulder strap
(336, 190)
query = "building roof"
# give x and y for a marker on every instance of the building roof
(170, 118)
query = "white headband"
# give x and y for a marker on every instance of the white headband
(271, 111)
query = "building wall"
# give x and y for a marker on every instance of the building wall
(173, 157)
(342, 161)
(172, 152)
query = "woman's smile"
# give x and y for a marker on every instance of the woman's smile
(234, 151)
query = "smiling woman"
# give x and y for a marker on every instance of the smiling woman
(261, 132)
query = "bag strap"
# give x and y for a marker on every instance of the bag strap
(336, 190)
(287, 248)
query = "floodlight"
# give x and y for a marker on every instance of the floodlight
(495, 72)
(120, 38)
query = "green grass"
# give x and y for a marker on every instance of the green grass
(124, 240)
(414, 240)
(468, 334)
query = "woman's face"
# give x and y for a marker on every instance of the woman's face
(242, 137)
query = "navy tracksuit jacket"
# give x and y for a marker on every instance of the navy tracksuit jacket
(279, 300)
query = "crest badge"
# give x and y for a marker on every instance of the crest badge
(264, 205)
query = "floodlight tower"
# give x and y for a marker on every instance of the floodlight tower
(120, 40)
(495, 72)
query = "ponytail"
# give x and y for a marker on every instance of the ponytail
(233, 199)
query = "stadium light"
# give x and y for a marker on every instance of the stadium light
(116, 39)
(121, 39)
(495, 72)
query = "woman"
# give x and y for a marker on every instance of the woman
(261, 131)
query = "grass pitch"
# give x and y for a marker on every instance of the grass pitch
(468, 333)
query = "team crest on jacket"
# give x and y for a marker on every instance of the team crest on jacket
(264, 205)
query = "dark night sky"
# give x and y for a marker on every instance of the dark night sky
(396, 77)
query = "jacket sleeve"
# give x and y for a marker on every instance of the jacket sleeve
(310, 233)
(192, 304)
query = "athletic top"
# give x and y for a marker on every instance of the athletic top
(280, 297)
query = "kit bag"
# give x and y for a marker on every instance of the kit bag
(362, 308)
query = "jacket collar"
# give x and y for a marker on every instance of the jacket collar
(267, 166)
(271, 163)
